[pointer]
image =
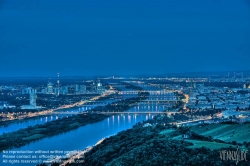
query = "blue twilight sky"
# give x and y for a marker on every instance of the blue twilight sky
(123, 37)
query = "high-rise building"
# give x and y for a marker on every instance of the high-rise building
(100, 88)
(64, 90)
(76, 88)
(50, 88)
(32, 103)
(44, 91)
(71, 89)
(33, 99)
(56, 90)
(93, 88)
(82, 89)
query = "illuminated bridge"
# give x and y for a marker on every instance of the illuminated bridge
(112, 113)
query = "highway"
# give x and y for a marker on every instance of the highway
(10, 116)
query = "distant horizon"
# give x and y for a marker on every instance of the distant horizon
(207, 73)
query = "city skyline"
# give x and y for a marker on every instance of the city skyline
(122, 82)
(54, 77)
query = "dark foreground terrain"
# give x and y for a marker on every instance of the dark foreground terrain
(162, 144)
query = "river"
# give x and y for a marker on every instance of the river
(84, 136)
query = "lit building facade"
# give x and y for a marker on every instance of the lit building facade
(50, 88)
(33, 99)
(100, 89)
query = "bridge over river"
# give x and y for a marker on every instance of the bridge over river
(112, 113)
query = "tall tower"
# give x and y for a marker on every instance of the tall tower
(58, 83)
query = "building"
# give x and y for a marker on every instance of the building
(44, 91)
(5, 105)
(201, 97)
(55, 90)
(50, 88)
(200, 85)
(76, 88)
(246, 85)
(100, 89)
(64, 90)
(228, 113)
(32, 103)
(82, 89)
(28, 90)
(33, 99)
(93, 88)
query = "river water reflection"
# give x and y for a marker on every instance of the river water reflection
(88, 135)
(84, 136)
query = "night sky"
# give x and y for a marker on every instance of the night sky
(123, 37)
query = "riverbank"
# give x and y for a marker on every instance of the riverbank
(155, 143)
(8, 122)
(30, 134)
(27, 135)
